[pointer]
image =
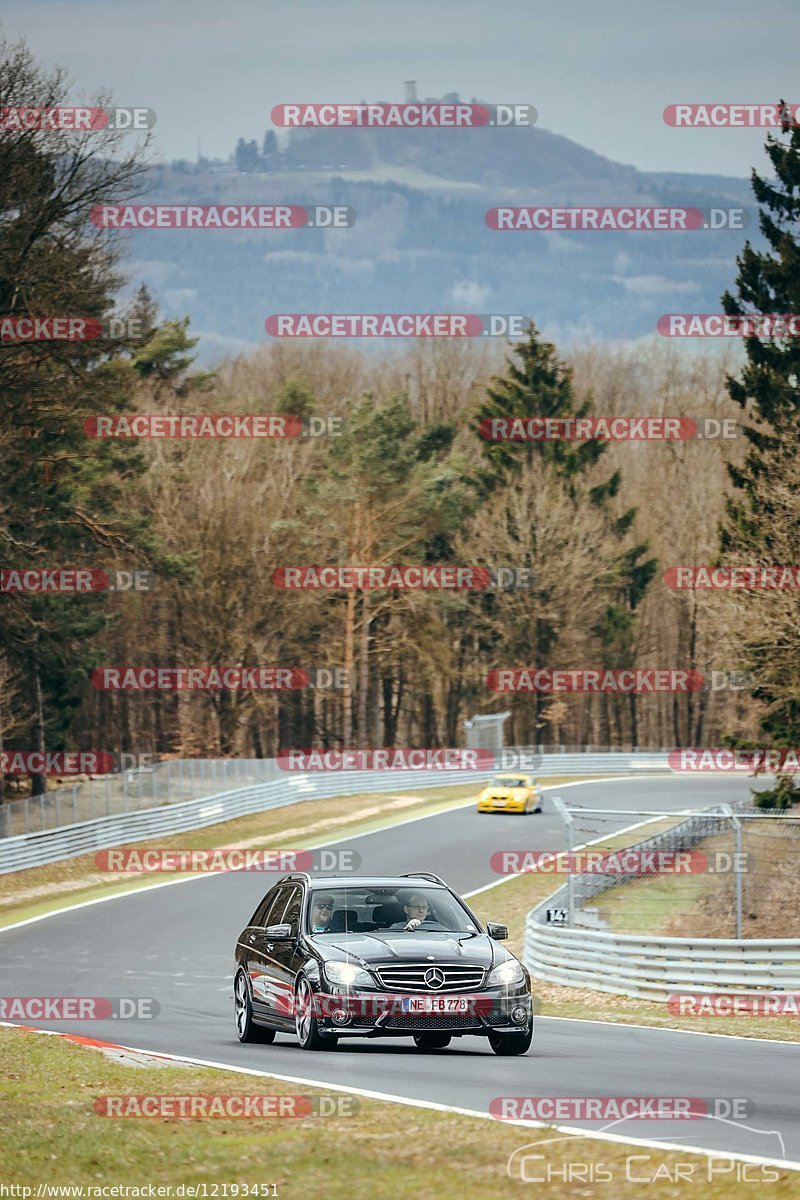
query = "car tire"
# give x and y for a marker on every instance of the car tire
(508, 1044)
(246, 1028)
(306, 1027)
(432, 1041)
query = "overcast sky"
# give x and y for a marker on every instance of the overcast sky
(598, 71)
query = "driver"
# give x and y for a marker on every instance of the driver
(321, 912)
(416, 910)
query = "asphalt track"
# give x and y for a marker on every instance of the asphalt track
(175, 944)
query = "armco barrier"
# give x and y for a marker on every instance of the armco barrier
(654, 968)
(83, 837)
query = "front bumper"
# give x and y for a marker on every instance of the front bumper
(382, 1014)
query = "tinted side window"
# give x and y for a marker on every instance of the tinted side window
(292, 914)
(266, 909)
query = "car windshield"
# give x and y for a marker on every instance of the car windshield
(509, 781)
(367, 910)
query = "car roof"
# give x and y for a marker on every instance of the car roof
(368, 881)
(513, 775)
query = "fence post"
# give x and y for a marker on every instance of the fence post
(737, 827)
(561, 809)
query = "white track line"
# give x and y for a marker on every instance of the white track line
(737, 1037)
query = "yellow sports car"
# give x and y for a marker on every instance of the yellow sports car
(511, 793)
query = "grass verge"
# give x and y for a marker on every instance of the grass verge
(52, 1135)
(704, 905)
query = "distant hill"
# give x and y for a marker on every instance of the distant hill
(420, 242)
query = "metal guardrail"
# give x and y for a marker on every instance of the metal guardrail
(651, 967)
(171, 781)
(35, 849)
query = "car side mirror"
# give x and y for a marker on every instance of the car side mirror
(498, 932)
(279, 933)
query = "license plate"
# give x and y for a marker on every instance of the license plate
(435, 1004)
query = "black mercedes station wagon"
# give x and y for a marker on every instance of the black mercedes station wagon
(400, 956)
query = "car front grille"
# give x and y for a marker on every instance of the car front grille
(420, 1022)
(410, 977)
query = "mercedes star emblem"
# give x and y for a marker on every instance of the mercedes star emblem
(434, 977)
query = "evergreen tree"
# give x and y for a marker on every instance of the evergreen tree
(538, 384)
(768, 392)
(63, 495)
(270, 150)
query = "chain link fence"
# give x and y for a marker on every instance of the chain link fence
(726, 872)
(170, 782)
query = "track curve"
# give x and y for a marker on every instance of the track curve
(175, 944)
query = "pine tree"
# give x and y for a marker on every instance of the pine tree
(768, 392)
(63, 495)
(539, 384)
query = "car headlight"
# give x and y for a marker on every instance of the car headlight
(348, 974)
(507, 974)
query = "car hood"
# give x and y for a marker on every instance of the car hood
(398, 946)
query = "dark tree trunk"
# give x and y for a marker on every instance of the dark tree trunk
(38, 782)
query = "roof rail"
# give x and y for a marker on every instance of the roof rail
(423, 875)
(297, 875)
